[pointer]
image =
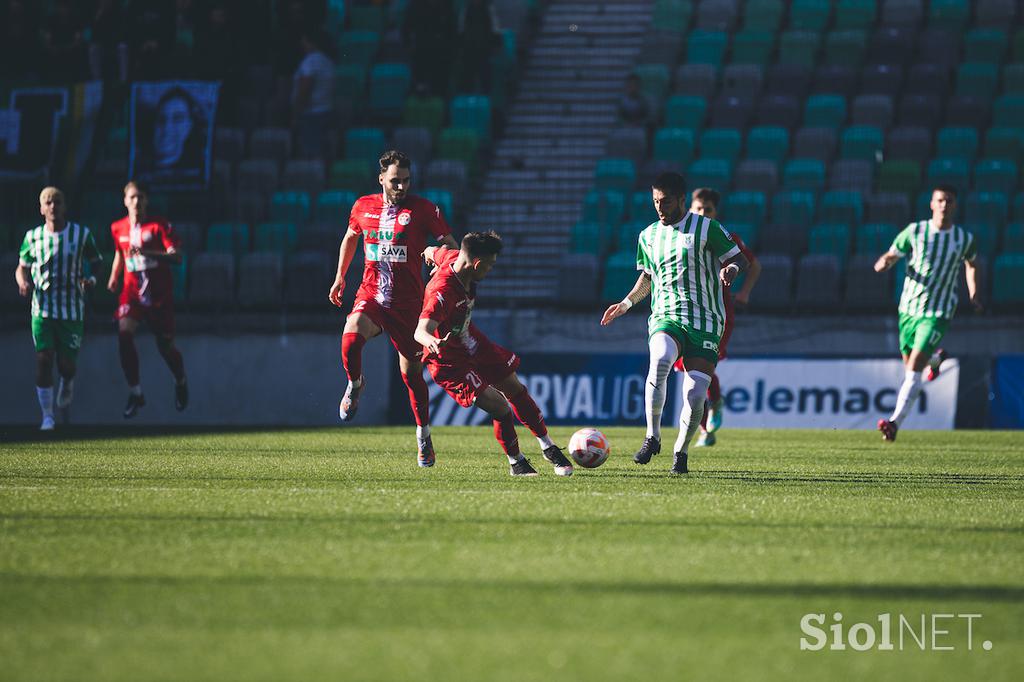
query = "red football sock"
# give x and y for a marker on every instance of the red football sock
(528, 413)
(352, 355)
(505, 432)
(715, 389)
(129, 357)
(172, 356)
(419, 397)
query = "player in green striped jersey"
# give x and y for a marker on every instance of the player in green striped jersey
(51, 268)
(934, 250)
(685, 260)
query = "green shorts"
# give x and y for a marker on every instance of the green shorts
(921, 333)
(64, 336)
(693, 343)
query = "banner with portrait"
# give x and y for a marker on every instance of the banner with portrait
(171, 144)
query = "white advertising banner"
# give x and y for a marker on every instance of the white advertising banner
(829, 394)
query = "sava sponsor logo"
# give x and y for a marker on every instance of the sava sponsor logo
(391, 253)
(813, 399)
(921, 632)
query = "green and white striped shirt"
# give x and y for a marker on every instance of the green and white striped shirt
(929, 289)
(683, 261)
(55, 259)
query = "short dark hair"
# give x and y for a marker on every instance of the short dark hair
(393, 157)
(482, 244)
(706, 195)
(140, 186)
(948, 189)
(670, 183)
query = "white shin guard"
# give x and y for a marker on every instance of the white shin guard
(664, 352)
(695, 392)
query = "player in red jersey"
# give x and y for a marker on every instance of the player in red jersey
(394, 226)
(471, 368)
(145, 246)
(704, 201)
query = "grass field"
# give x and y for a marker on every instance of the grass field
(328, 555)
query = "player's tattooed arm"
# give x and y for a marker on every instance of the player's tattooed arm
(639, 292)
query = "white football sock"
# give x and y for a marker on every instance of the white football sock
(909, 391)
(694, 394)
(545, 441)
(45, 396)
(423, 432)
(135, 390)
(664, 352)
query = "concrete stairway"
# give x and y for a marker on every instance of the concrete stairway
(556, 129)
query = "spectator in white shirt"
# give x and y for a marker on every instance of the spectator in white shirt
(312, 95)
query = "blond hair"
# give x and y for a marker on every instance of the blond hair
(49, 192)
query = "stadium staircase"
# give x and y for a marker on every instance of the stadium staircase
(557, 126)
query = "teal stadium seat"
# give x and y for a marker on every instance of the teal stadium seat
(1013, 79)
(389, 86)
(799, 47)
(956, 143)
(721, 143)
(1009, 111)
(985, 45)
(793, 208)
(358, 47)
(706, 47)
(230, 238)
(804, 174)
(674, 145)
(589, 238)
(989, 208)
(949, 14)
(641, 206)
(978, 79)
(748, 232)
(830, 239)
(846, 48)
(473, 112)
(745, 207)
(368, 18)
(825, 111)
(1008, 281)
(672, 14)
(604, 208)
(753, 47)
(840, 207)
(334, 206)
(290, 207)
(861, 142)
(1017, 207)
(441, 198)
(715, 173)
(1013, 238)
(763, 15)
(809, 15)
(986, 237)
(768, 143)
(686, 111)
(365, 144)
(350, 82)
(875, 238)
(654, 81)
(954, 172)
(997, 175)
(1002, 142)
(855, 14)
(619, 276)
(615, 174)
(275, 237)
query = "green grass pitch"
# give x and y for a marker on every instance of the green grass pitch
(326, 554)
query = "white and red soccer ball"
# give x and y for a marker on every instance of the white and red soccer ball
(589, 448)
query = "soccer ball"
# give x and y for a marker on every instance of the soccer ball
(589, 448)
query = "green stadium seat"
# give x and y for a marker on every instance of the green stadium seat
(752, 47)
(354, 175)
(604, 208)
(358, 47)
(389, 86)
(985, 45)
(706, 47)
(997, 175)
(615, 174)
(830, 239)
(1002, 142)
(334, 206)
(290, 207)
(675, 145)
(745, 207)
(589, 238)
(365, 144)
(793, 208)
(899, 176)
(954, 172)
(368, 18)
(846, 48)
(769, 143)
(855, 14)
(861, 142)
(686, 111)
(459, 144)
(441, 198)
(1008, 281)
(1009, 111)
(715, 173)
(474, 112)
(641, 207)
(619, 276)
(763, 15)
(809, 15)
(840, 207)
(748, 232)
(231, 238)
(721, 143)
(1013, 238)
(799, 47)
(275, 237)
(654, 81)
(1013, 79)
(350, 82)
(989, 208)
(672, 14)
(978, 79)
(825, 111)
(428, 112)
(804, 174)
(956, 143)
(949, 14)
(875, 238)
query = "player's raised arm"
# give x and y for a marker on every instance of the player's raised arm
(639, 292)
(346, 252)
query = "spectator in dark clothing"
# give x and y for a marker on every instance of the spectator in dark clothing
(480, 37)
(430, 31)
(20, 48)
(108, 51)
(634, 108)
(151, 34)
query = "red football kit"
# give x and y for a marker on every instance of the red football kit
(148, 290)
(469, 362)
(394, 237)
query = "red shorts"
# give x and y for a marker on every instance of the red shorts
(400, 325)
(159, 315)
(464, 376)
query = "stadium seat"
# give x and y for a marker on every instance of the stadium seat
(855, 14)
(260, 277)
(389, 86)
(191, 235)
(902, 12)
(715, 173)
(804, 174)
(354, 175)
(956, 143)
(793, 80)
(443, 199)
(817, 282)
(998, 13)
(1013, 238)
(743, 80)
(333, 206)
(763, 15)
(954, 172)
(757, 175)
(619, 276)
(364, 144)
(307, 275)
(212, 281)
(748, 232)
(855, 175)
(358, 47)
(730, 111)
(861, 142)
(625, 237)
(872, 110)
(1017, 209)
(829, 239)
(290, 207)
(744, 207)
(654, 81)
(775, 287)
(426, 111)
(977, 79)
(473, 112)
(1017, 46)
(306, 175)
(350, 85)
(1009, 111)
(866, 290)
(874, 239)
(673, 14)
(815, 143)
(247, 206)
(417, 142)
(986, 237)
(809, 15)
(928, 78)
(969, 111)
(275, 237)
(721, 143)
(258, 175)
(229, 144)
(367, 17)
(450, 175)
(460, 144)
(230, 238)
(661, 46)
(845, 47)
(881, 79)
(590, 238)
(985, 45)
(778, 110)
(769, 143)
(271, 143)
(696, 80)
(889, 207)
(716, 15)
(641, 207)
(1013, 79)
(833, 79)
(706, 47)
(321, 236)
(179, 279)
(918, 110)
(841, 207)
(792, 207)
(615, 174)
(949, 14)
(997, 175)
(753, 47)
(799, 47)
(578, 279)
(912, 143)
(627, 142)
(989, 208)
(674, 144)
(685, 111)
(605, 208)
(827, 111)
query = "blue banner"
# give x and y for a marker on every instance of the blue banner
(1008, 392)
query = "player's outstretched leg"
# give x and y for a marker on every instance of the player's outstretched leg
(493, 402)
(663, 352)
(911, 388)
(419, 401)
(695, 389)
(526, 411)
(352, 357)
(938, 357)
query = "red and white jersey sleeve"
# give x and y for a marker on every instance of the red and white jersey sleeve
(448, 302)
